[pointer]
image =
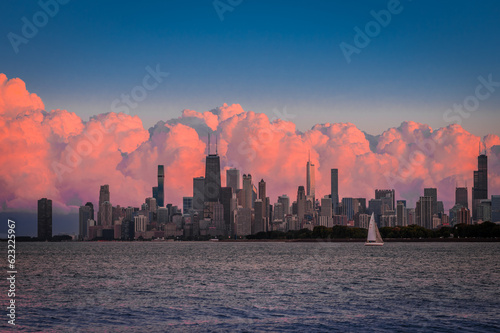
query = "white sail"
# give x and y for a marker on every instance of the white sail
(374, 237)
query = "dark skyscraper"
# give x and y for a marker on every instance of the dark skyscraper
(301, 203)
(226, 196)
(91, 205)
(104, 196)
(212, 178)
(160, 200)
(44, 219)
(433, 193)
(480, 189)
(335, 189)
(198, 193)
(461, 196)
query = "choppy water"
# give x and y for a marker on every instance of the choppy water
(223, 287)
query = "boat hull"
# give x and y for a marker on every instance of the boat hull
(373, 244)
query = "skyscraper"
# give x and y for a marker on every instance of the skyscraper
(258, 224)
(44, 219)
(265, 206)
(381, 194)
(91, 205)
(160, 200)
(247, 189)
(285, 202)
(226, 197)
(480, 189)
(212, 178)
(424, 212)
(106, 214)
(262, 189)
(104, 196)
(495, 208)
(401, 213)
(310, 179)
(301, 203)
(233, 179)
(198, 193)
(461, 196)
(326, 207)
(84, 214)
(335, 189)
(432, 192)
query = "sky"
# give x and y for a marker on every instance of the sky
(401, 104)
(265, 56)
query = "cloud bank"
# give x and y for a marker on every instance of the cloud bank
(57, 155)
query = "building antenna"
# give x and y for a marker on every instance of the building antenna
(216, 151)
(208, 143)
(309, 155)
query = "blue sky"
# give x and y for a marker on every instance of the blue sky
(265, 56)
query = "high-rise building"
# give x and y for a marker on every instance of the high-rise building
(84, 214)
(484, 210)
(348, 208)
(326, 207)
(262, 190)
(463, 216)
(104, 196)
(461, 196)
(285, 202)
(385, 194)
(233, 179)
(258, 224)
(335, 189)
(301, 203)
(310, 179)
(375, 207)
(152, 205)
(424, 212)
(44, 219)
(198, 193)
(106, 214)
(91, 205)
(495, 208)
(401, 217)
(155, 193)
(243, 222)
(432, 192)
(187, 204)
(161, 189)
(226, 198)
(265, 202)
(212, 178)
(480, 189)
(247, 189)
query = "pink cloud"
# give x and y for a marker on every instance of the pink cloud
(55, 154)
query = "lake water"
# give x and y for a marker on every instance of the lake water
(256, 287)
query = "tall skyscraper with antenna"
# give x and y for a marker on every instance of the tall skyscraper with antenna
(480, 189)
(212, 175)
(310, 179)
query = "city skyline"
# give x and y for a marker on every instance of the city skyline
(114, 148)
(229, 211)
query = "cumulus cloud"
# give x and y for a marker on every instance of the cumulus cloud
(57, 155)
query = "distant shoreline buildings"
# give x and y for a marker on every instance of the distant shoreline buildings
(236, 211)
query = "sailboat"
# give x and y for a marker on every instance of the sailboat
(374, 238)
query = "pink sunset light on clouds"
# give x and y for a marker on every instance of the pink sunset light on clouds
(58, 155)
